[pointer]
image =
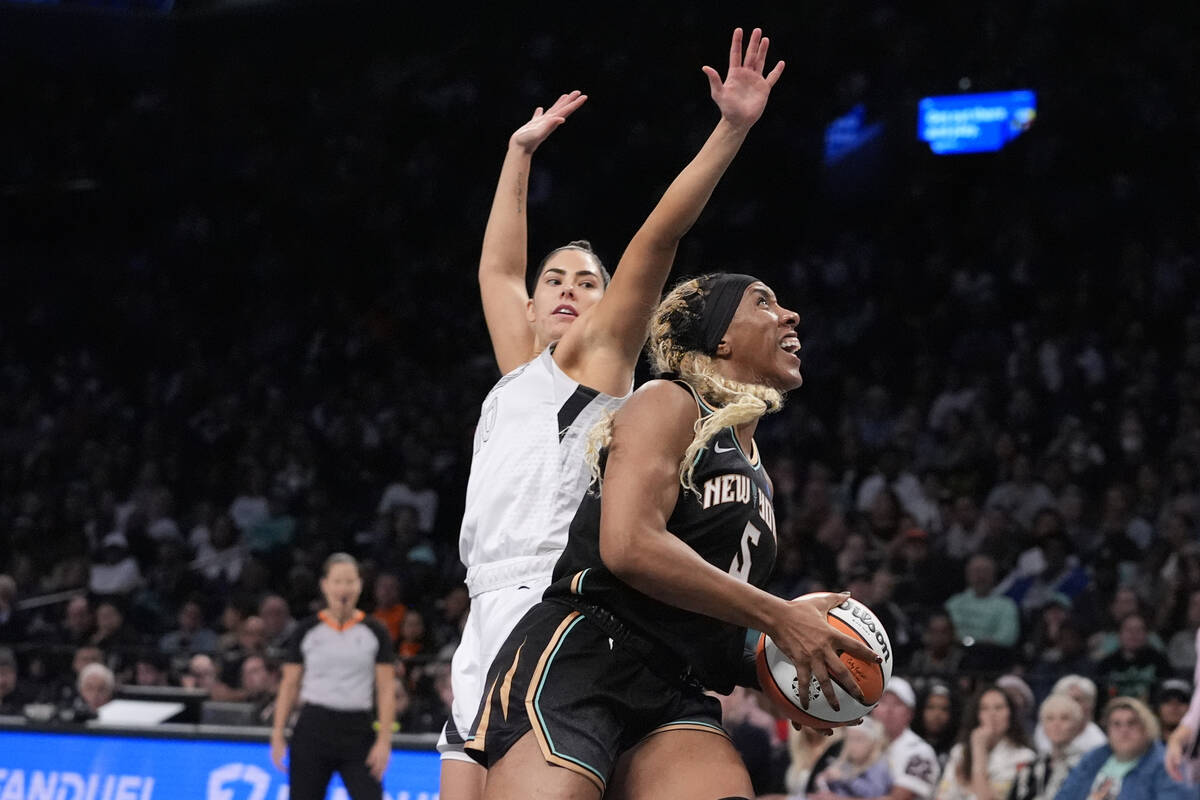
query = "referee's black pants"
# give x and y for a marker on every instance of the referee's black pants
(326, 740)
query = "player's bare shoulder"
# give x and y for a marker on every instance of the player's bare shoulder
(661, 410)
(661, 399)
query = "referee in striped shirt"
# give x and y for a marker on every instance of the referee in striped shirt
(336, 660)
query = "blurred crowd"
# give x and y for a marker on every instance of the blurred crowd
(228, 353)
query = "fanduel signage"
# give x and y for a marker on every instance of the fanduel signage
(53, 766)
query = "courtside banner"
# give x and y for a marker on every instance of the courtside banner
(65, 766)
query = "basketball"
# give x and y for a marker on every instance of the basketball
(777, 674)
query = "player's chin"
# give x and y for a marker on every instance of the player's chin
(783, 383)
(557, 325)
(788, 376)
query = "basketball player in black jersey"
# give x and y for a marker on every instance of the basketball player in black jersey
(600, 688)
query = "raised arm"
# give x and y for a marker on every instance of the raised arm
(650, 434)
(615, 329)
(503, 260)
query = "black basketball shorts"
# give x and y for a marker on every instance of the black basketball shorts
(585, 697)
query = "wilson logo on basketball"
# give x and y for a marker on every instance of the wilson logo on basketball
(859, 611)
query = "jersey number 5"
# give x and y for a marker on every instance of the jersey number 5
(740, 568)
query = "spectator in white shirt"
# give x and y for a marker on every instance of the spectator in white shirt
(992, 747)
(914, 764)
(221, 558)
(116, 571)
(1023, 496)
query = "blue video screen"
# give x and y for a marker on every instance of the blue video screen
(975, 123)
(54, 766)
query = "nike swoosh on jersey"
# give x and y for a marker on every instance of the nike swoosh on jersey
(718, 449)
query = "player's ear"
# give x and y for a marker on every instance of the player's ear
(529, 315)
(723, 349)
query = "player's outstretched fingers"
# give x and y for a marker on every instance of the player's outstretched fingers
(751, 61)
(761, 57)
(714, 80)
(568, 103)
(821, 673)
(845, 678)
(735, 49)
(855, 647)
(774, 74)
(804, 680)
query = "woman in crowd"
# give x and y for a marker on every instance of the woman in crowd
(1130, 766)
(991, 747)
(1062, 720)
(937, 720)
(1083, 691)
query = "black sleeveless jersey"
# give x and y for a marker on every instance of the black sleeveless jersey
(731, 524)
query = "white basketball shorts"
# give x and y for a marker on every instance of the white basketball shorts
(491, 619)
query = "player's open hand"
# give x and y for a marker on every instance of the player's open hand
(742, 96)
(543, 123)
(813, 645)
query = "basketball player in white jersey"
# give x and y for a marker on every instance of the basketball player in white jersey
(568, 355)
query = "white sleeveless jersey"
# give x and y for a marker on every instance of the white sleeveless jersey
(528, 473)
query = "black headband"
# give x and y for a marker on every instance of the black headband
(699, 323)
(723, 293)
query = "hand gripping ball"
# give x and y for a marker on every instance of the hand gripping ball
(777, 674)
